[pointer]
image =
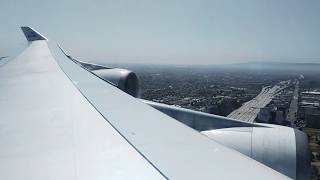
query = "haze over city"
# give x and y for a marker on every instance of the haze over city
(169, 32)
(167, 89)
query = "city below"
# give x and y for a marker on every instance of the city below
(277, 93)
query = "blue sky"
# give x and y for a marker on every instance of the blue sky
(169, 31)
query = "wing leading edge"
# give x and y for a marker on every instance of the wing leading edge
(88, 129)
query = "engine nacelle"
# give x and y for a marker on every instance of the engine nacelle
(124, 79)
(284, 149)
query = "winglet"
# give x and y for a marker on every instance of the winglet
(31, 34)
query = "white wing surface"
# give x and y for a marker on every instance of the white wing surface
(48, 130)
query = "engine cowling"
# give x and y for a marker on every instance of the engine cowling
(124, 79)
(281, 148)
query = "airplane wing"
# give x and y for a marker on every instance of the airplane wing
(59, 121)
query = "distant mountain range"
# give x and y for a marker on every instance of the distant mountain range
(302, 68)
(299, 67)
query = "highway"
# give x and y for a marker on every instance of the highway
(292, 114)
(249, 110)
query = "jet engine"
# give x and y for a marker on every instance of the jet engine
(124, 79)
(281, 148)
(284, 149)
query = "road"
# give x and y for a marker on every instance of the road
(292, 114)
(249, 110)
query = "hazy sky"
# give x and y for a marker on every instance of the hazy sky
(169, 31)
